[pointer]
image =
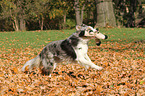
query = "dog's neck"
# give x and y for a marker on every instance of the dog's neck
(84, 41)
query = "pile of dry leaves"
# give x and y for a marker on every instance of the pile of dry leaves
(123, 73)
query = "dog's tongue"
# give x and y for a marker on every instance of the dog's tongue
(98, 42)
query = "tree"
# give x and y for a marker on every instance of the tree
(79, 10)
(39, 10)
(129, 12)
(131, 17)
(15, 10)
(59, 11)
(105, 13)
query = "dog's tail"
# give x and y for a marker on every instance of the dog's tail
(32, 63)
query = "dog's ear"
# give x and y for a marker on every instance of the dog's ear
(78, 27)
(82, 33)
(98, 41)
(83, 25)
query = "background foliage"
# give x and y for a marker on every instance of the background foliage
(61, 14)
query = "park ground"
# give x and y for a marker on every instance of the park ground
(122, 57)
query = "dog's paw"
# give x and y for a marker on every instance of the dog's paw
(99, 68)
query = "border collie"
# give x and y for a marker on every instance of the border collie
(74, 48)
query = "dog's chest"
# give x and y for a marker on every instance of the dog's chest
(81, 48)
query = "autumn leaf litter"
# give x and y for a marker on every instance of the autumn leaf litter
(123, 73)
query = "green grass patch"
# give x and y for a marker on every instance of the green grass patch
(124, 35)
(31, 39)
(38, 39)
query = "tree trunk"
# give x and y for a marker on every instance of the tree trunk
(131, 16)
(82, 13)
(77, 12)
(41, 23)
(22, 24)
(64, 20)
(16, 24)
(105, 13)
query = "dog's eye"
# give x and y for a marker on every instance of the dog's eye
(97, 29)
(97, 32)
(90, 31)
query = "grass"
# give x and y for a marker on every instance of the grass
(125, 34)
(31, 38)
(38, 39)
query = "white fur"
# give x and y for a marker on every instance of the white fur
(100, 36)
(82, 57)
(94, 33)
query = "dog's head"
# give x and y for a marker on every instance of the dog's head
(89, 33)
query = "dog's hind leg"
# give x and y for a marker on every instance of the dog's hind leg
(32, 63)
(48, 66)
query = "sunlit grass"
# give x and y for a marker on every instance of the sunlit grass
(39, 39)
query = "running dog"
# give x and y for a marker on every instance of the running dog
(74, 48)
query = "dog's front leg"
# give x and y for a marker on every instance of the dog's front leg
(87, 58)
(86, 62)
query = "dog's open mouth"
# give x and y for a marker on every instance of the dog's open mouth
(106, 37)
(98, 41)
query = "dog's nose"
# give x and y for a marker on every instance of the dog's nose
(106, 36)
